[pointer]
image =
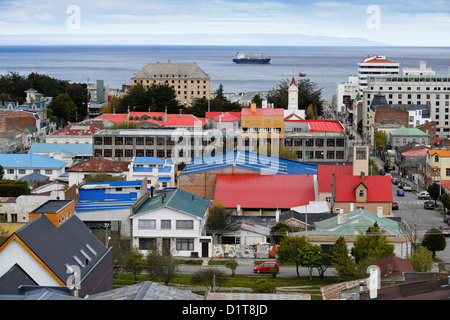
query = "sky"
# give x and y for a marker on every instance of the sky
(267, 22)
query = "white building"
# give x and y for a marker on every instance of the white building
(346, 90)
(433, 91)
(17, 166)
(375, 65)
(159, 173)
(174, 221)
(421, 71)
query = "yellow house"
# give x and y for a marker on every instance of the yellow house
(437, 166)
(262, 122)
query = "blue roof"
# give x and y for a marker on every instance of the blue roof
(69, 148)
(149, 160)
(15, 160)
(116, 183)
(86, 206)
(160, 170)
(251, 161)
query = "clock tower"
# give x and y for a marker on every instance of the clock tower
(293, 95)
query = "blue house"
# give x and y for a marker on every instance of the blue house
(17, 166)
(159, 173)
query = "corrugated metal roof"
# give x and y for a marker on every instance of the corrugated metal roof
(249, 160)
(176, 199)
(264, 191)
(325, 175)
(379, 188)
(263, 112)
(29, 161)
(57, 246)
(69, 148)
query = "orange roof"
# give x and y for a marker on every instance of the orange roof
(263, 112)
(441, 153)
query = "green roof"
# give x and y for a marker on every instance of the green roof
(358, 221)
(403, 131)
(177, 199)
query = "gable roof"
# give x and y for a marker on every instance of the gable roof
(15, 160)
(185, 70)
(379, 188)
(69, 148)
(56, 247)
(320, 125)
(393, 266)
(263, 112)
(325, 175)
(403, 131)
(177, 199)
(441, 153)
(264, 191)
(249, 160)
(99, 165)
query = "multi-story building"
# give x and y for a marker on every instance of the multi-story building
(437, 166)
(375, 65)
(431, 90)
(188, 80)
(346, 92)
(259, 122)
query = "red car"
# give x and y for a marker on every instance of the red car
(394, 205)
(265, 267)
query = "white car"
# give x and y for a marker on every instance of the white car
(407, 187)
(424, 195)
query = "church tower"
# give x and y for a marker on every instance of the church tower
(293, 95)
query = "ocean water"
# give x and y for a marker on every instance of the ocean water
(326, 66)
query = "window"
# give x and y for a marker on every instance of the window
(319, 154)
(10, 171)
(319, 142)
(146, 243)
(330, 154)
(185, 224)
(330, 142)
(361, 193)
(298, 142)
(147, 224)
(309, 142)
(185, 244)
(22, 171)
(166, 224)
(149, 141)
(447, 172)
(118, 141)
(361, 154)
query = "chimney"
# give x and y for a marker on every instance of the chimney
(363, 175)
(342, 217)
(238, 209)
(380, 212)
(253, 107)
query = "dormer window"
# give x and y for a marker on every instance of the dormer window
(361, 193)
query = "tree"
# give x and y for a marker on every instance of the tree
(422, 259)
(342, 261)
(289, 248)
(135, 263)
(232, 264)
(218, 94)
(280, 230)
(162, 266)
(373, 245)
(219, 219)
(434, 191)
(209, 277)
(202, 105)
(380, 137)
(311, 256)
(309, 114)
(258, 100)
(434, 240)
(445, 200)
(264, 286)
(64, 109)
(101, 177)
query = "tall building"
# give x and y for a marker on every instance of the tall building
(346, 93)
(188, 80)
(375, 65)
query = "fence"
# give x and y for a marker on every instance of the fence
(261, 251)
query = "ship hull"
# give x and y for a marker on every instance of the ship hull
(252, 61)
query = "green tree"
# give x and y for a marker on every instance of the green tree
(164, 267)
(135, 263)
(342, 261)
(380, 137)
(311, 256)
(434, 240)
(64, 109)
(100, 177)
(372, 245)
(280, 230)
(263, 286)
(422, 259)
(219, 219)
(218, 94)
(232, 264)
(434, 191)
(201, 105)
(445, 200)
(258, 100)
(288, 250)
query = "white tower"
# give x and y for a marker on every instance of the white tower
(293, 95)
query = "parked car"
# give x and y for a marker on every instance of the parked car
(428, 204)
(407, 187)
(394, 205)
(424, 195)
(395, 180)
(400, 185)
(445, 230)
(446, 218)
(265, 267)
(400, 193)
(382, 172)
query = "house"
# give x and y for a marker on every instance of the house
(17, 166)
(372, 193)
(109, 203)
(350, 225)
(325, 179)
(200, 174)
(159, 173)
(262, 122)
(223, 120)
(175, 221)
(70, 153)
(437, 166)
(55, 249)
(264, 195)
(403, 136)
(304, 217)
(80, 170)
(74, 133)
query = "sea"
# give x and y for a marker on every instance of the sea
(116, 64)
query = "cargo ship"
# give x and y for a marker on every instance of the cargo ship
(242, 58)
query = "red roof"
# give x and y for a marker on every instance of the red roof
(263, 112)
(158, 118)
(377, 59)
(293, 81)
(264, 191)
(77, 130)
(322, 125)
(417, 152)
(215, 115)
(99, 165)
(325, 175)
(379, 188)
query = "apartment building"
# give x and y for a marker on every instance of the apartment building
(437, 166)
(375, 65)
(431, 90)
(188, 80)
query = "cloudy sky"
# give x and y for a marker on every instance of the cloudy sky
(405, 23)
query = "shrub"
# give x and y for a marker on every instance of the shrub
(264, 286)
